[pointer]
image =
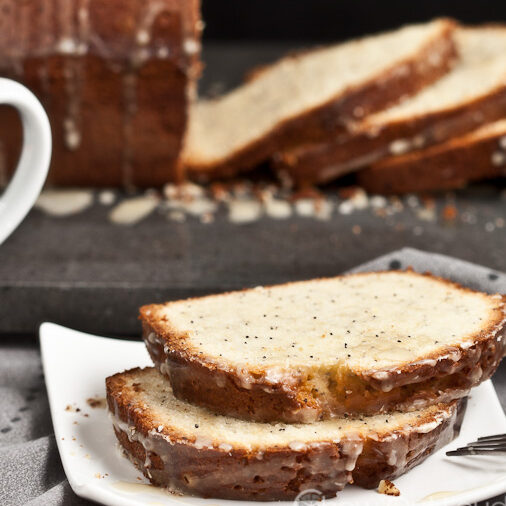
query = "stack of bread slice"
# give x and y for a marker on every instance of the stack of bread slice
(314, 95)
(364, 119)
(449, 113)
(479, 154)
(265, 393)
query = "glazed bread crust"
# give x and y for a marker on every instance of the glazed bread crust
(176, 460)
(115, 77)
(306, 394)
(454, 164)
(401, 79)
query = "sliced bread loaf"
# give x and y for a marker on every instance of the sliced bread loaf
(313, 95)
(474, 92)
(192, 451)
(300, 352)
(480, 154)
(115, 77)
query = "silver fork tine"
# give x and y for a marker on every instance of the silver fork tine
(473, 446)
(471, 451)
(493, 438)
(483, 446)
(487, 443)
(489, 448)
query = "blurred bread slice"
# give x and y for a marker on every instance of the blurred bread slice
(474, 92)
(480, 154)
(313, 95)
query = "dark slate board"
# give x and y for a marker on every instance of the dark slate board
(86, 273)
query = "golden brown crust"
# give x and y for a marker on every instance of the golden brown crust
(326, 120)
(322, 162)
(446, 166)
(276, 473)
(117, 73)
(310, 395)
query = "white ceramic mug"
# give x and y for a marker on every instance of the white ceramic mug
(28, 179)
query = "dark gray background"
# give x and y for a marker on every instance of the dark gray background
(329, 20)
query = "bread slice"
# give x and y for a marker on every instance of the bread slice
(474, 92)
(313, 94)
(480, 154)
(305, 351)
(192, 451)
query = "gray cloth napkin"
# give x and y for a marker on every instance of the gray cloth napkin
(31, 471)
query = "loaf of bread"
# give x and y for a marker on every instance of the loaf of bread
(313, 95)
(305, 351)
(192, 451)
(115, 77)
(478, 155)
(473, 93)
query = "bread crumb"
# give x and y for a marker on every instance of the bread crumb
(489, 226)
(347, 192)
(450, 212)
(219, 192)
(388, 488)
(96, 402)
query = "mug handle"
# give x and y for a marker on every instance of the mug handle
(33, 165)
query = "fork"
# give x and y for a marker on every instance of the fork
(485, 445)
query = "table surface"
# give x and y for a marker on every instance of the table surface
(63, 269)
(27, 445)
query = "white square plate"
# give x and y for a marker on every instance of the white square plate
(76, 364)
